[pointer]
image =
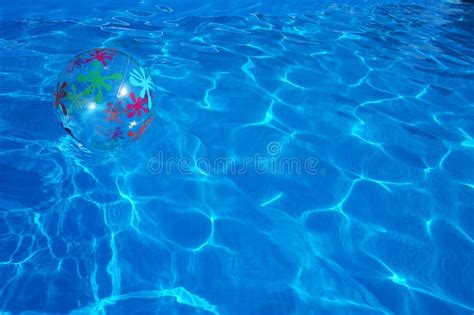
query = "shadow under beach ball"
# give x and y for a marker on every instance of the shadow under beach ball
(104, 99)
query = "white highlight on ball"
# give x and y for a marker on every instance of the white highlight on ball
(92, 106)
(123, 91)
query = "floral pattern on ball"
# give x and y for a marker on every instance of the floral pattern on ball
(97, 82)
(140, 79)
(59, 96)
(139, 104)
(101, 55)
(104, 98)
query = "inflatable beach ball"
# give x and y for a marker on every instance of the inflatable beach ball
(104, 99)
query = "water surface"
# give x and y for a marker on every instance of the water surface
(377, 96)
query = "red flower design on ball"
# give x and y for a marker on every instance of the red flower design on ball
(101, 55)
(76, 63)
(59, 95)
(137, 135)
(139, 104)
(113, 112)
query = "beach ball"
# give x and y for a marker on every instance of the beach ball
(104, 99)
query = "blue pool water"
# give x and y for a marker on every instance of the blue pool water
(307, 159)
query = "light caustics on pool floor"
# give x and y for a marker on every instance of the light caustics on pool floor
(379, 98)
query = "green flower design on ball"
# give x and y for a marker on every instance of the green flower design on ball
(97, 82)
(75, 98)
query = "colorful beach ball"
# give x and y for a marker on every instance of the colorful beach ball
(104, 99)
